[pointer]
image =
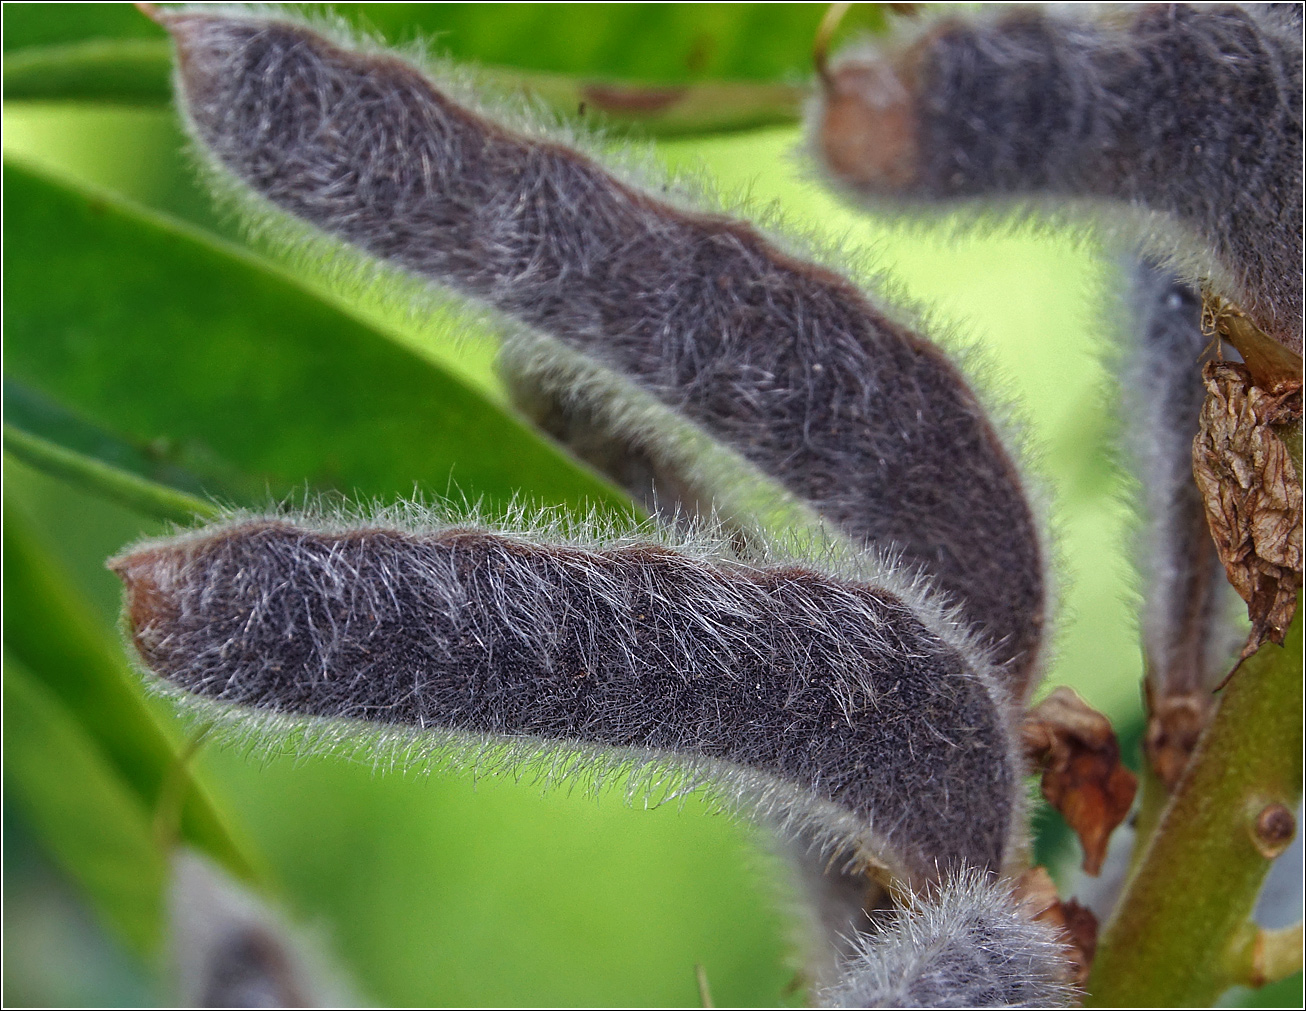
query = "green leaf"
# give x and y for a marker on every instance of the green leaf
(664, 43)
(52, 24)
(139, 72)
(75, 798)
(667, 43)
(237, 374)
(104, 479)
(661, 69)
(106, 70)
(42, 418)
(49, 628)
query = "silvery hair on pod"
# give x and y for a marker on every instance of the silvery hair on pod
(824, 703)
(787, 365)
(1178, 124)
(964, 945)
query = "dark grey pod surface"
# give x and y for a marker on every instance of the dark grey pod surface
(1186, 112)
(822, 703)
(785, 362)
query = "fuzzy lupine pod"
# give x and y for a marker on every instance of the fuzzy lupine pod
(837, 904)
(1190, 633)
(965, 945)
(786, 363)
(819, 702)
(229, 948)
(1186, 115)
(660, 487)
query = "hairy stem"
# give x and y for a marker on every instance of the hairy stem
(1184, 914)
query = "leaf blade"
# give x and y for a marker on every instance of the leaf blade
(50, 631)
(105, 480)
(96, 826)
(272, 390)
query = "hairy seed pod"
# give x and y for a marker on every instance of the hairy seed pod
(1179, 123)
(821, 703)
(966, 945)
(1190, 634)
(786, 363)
(656, 484)
(229, 948)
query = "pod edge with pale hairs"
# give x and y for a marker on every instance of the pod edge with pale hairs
(966, 944)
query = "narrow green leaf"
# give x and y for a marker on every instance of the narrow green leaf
(240, 375)
(139, 72)
(658, 110)
(146, 497)
(665, 43)
(104, 70)
(52, 24)
(76, 800)
(51, 631)
(48, 420)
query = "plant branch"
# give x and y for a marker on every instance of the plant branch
(1263, 956)
(1183, 920)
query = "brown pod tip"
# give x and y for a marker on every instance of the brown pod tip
(867, 132)
(148, 576)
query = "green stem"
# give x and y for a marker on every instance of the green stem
(1152, 798)
(1266, 956)
(1181, 924)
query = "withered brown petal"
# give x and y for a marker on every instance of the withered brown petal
(1252, 494)
(1082, 774)
(1076, 924)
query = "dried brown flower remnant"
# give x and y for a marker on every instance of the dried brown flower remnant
(1082, 775)
(1038, 901)
(1174, 725)
(1252, 494)
(1273, 366)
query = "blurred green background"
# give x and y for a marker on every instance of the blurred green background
(145, 334)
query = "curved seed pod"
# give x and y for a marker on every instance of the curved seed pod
(824, 704)
(786, 363)
(1190, 634)
(1186, 118)
(654, 482)
(965, 945)
(838, 904)
(229, 948)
